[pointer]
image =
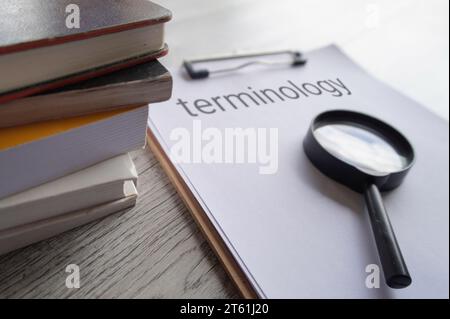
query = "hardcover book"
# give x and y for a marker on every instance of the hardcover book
(139, 85)
(40, 50)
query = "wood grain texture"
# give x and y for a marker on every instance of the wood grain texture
(155, 250)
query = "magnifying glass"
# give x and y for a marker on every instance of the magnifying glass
(368, 156)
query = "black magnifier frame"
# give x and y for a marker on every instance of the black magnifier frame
(366, 182)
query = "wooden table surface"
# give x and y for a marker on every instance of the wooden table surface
(155, 250)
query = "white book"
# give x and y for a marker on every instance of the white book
(58, 148)
(21, 236)
(95, 185)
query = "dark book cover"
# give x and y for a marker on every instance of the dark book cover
(138, 85)
(30, 24)
(27, 24)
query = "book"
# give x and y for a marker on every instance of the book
(24, 235)
(280, 227)
(40, 49)
(37, 153)
(138, 85)
(92, 186)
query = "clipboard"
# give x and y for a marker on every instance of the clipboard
(206, 227)
(319, 262)
(295, 59)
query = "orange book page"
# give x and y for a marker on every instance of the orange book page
(13, 136)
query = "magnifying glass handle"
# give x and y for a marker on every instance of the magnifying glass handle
(394, 267)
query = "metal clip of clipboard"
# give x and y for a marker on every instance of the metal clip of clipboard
(297, 59)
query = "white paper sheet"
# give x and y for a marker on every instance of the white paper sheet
(296, 233)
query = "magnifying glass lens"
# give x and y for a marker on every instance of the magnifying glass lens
(360, 147)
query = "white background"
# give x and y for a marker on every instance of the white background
(402, 42)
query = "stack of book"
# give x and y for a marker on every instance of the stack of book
(75, 83)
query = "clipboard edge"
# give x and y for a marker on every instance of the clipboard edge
(206, 227)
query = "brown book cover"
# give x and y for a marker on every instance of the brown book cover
(33, 26)
(142, 84)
